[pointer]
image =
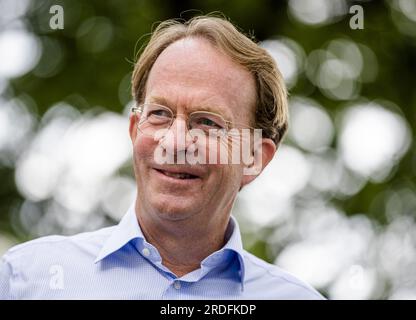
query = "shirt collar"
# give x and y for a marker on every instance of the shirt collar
(232, 248)
(129, 229)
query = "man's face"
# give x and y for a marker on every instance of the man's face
(191, 75)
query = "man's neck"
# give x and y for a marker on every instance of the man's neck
(183, 244)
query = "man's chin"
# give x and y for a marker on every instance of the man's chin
(174, 215)
(169, 210)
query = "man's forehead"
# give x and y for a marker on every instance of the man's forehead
(196, 51)
(196, 64)
(197, 58)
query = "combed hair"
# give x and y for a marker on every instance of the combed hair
(271, 110)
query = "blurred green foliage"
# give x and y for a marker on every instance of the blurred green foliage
(93, 56)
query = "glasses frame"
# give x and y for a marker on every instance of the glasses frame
(138, 108)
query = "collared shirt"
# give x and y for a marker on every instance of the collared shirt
(118, 263)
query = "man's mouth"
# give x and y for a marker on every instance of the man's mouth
(178, 175)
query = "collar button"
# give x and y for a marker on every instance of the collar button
(177, 285)
(146, 252)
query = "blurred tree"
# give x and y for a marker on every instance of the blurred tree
(88, 66)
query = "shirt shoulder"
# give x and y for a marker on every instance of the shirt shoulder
(50, 246)
(27, 269)
(274, 282)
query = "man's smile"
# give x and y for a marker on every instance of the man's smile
(183, 175)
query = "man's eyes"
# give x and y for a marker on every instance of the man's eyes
(159, 114)
(199, 121)
(206, 122)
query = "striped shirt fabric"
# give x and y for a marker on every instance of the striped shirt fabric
(118, 263)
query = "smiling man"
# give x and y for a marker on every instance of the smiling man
(198, 87)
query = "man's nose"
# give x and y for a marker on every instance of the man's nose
(177, 138)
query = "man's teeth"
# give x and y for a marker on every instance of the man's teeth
(178, 175)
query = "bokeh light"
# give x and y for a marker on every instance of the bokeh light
(335, 206)
(311, 126)
(289, 57)
(19, 52)
(372, 139)
(318, 12)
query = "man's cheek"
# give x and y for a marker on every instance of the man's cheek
(144, 147)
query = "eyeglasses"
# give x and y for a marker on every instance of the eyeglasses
(154, 117)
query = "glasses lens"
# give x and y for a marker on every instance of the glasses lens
(153, 118)
(207, 121)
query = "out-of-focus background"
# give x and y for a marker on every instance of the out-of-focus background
(336, 206)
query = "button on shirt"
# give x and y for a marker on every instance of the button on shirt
(118, 263)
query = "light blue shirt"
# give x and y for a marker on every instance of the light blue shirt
(118, 263)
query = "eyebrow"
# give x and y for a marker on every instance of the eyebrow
(163, 101)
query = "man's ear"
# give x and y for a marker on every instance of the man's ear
(262, 156)
(134, 117)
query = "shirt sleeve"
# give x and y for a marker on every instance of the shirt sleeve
(5, 278)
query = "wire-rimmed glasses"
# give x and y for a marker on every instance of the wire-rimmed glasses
(155, 117)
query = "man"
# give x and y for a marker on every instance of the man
(198, 87)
